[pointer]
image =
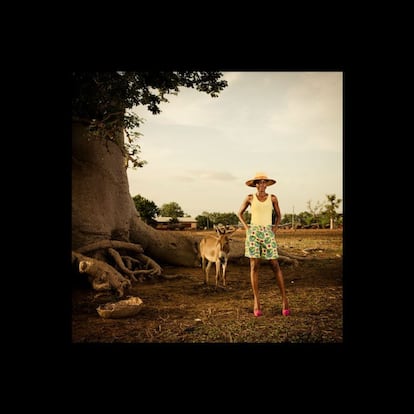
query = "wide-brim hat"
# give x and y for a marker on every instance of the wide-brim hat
(260, 176)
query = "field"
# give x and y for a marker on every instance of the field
(180, 308)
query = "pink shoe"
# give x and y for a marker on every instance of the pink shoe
(257, 313)
(286, 312)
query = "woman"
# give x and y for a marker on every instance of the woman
(260, 237)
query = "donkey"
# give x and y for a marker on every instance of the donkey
(216, 250)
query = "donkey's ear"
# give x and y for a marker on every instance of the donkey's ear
(220, 230)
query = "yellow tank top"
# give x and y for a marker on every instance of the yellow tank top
(261, 211)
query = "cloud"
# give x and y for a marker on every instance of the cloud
(208, 175)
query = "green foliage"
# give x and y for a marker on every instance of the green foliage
(332, 205)
(146, 208)
(288, 218)
(324, 219)
(202, 222)
(316, 216)
(305, 218)
(208, 220)
(103, 100)
(171, 210)
(224, 218)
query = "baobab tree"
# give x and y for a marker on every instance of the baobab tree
(110, 243)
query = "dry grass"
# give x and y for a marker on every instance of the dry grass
(181, 309)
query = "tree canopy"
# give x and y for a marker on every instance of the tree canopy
(172, 209)
(147, 209)
(103, 100)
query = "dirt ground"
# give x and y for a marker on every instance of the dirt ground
(180, 308)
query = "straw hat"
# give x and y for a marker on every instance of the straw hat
(260, 176)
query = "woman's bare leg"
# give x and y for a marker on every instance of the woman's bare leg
(274, 263)
(254, 278)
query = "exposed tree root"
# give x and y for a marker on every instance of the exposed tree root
(148, 262)
(124, 267)
(102, 275)
(118, 260)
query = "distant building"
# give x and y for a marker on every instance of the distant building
(184, 223)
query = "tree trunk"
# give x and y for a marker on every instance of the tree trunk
(103, 209)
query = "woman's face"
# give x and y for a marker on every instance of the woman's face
(261, 184)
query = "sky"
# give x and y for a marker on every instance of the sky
(200, 151)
